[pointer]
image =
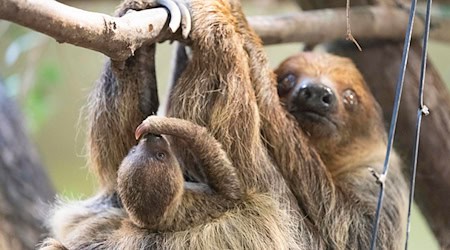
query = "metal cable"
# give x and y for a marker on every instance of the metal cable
(400, 82)
(422, 110)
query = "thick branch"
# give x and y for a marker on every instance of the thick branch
(313, 4)
(118, 38)
(325, 25)
(115, 37)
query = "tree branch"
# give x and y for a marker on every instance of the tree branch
(118, 37)
(115, 37)
(325, 25)
(317, 26)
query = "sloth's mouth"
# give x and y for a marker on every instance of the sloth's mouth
(313, 118)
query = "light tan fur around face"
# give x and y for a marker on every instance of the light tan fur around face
(360, 129)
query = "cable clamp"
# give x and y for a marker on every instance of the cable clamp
(379, 178)
(425, 111)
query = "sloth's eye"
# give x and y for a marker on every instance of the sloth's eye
(350, 99)
(160, 156)
(286, 83)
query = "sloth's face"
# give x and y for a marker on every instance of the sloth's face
(150, 154)
(149, 180)
(327, 96)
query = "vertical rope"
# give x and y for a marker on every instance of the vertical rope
(400, 82)
(422, 110)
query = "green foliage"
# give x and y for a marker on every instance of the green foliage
(38, 105)
(33, 85)
(445, 10)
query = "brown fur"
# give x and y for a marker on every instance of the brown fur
(126, 93)
(334, 188)
(338, 193)
(52, 244)
(229, 89)
(150, 181)
(357, 131)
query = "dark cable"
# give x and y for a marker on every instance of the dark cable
(398, 94)
(422, 110)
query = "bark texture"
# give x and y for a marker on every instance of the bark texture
(24, 186)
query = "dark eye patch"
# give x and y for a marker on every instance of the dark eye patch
(160, 156)
(286, 83)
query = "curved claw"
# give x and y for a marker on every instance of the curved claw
(175, 14)
(178, 11)
(179, 14)
(146, 127)
(186, 22)
(140, 131)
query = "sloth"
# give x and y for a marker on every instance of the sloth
(257, 214)
(327, 98)
(151, 184)
(228, 88)
(156, 209)
(328, 140)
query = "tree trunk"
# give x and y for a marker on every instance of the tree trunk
(380, 63)
(24, 186)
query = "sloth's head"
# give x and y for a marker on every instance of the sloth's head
(329, 98)
(150, 181)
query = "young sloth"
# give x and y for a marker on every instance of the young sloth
(151, 185)
(125, 95)
(161, 209)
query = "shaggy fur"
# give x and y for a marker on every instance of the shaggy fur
(209, 94)
(229, 88)
(150, 181)
(251, 225)
(335, 190)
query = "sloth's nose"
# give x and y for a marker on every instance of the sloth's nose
(152, 138)
(153, 141)
(315, 97)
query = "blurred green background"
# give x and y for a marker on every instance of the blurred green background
(51, 82)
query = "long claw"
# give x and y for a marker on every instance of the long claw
(140, 131)
(175, 14)
(186, 22)
(147, 127)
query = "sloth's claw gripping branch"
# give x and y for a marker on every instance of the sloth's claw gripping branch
(175, 14)
(179, 16)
